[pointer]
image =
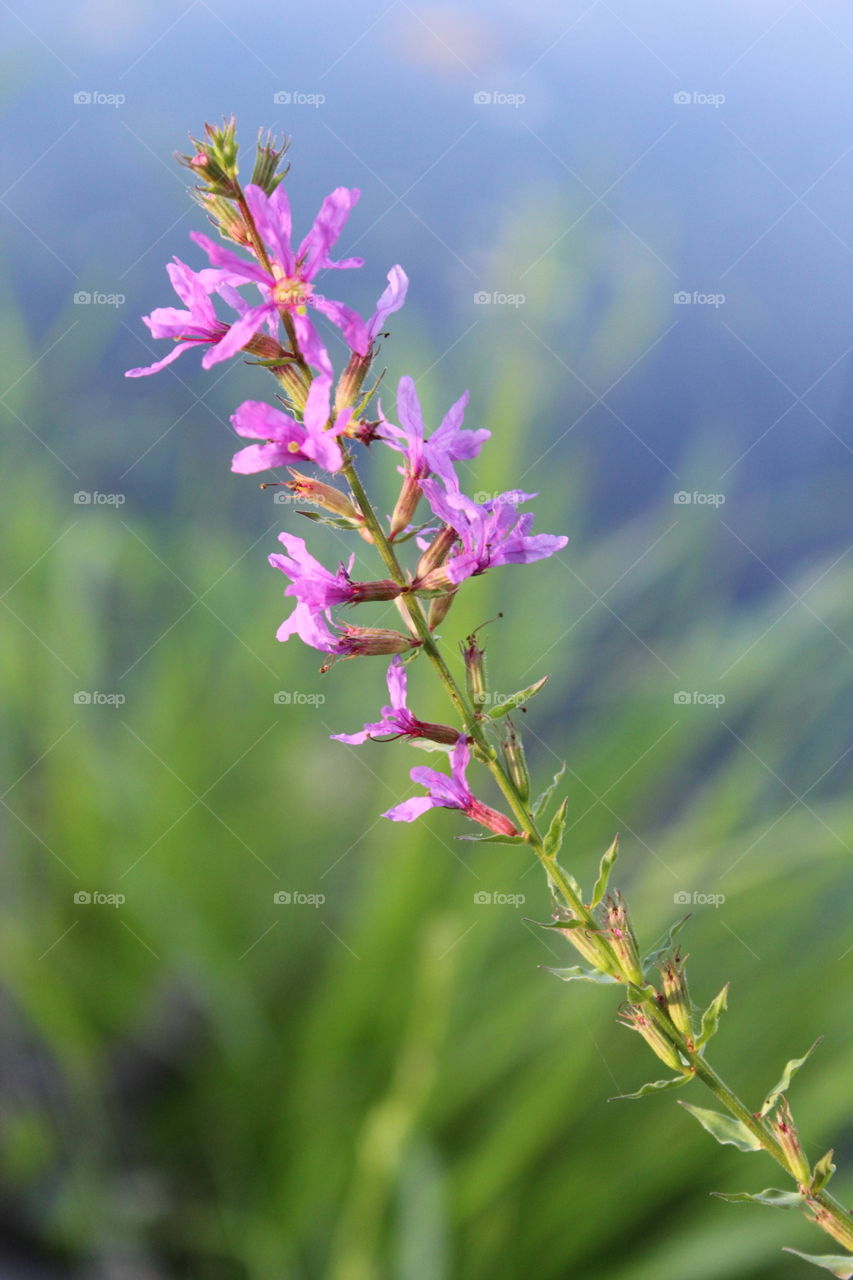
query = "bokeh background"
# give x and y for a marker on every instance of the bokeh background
(628, 232)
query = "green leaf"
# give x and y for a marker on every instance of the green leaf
(554, 837)
(711, 1017)
(655, 956)
(655, 1086)
(604, 873)
(838, 1265)
(791, 1069)
(559, 924)
(336, 522)
(577, 974)
(727, 1131)
(822, 1172)
(494, 839)
(516, 699)
(541, 801)
(770, 1196)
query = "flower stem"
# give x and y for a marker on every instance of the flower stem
(830, 1214)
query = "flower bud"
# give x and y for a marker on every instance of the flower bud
(267, 158)
(214, 160)
(676, 996)
(622, 939)
(590, 946)
(439, 609)
(785, 1131)
(436, 554)
(475, 670)
(635, 1017)
(322, 495)
(404, 510)
(350, 382)
(516, 762)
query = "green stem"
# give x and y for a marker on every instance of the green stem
(472, 724)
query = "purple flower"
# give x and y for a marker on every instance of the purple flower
(345, 641)
(318, 590)
(491, 533)
(286, 439)
(448, 444)
(397, 720)
(450, 793)
(288, 284)
(199, 324)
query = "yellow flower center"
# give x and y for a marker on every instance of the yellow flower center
(290, 291)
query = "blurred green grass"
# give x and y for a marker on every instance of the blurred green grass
(386, 1085)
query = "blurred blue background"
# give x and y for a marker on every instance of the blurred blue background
(628, 232)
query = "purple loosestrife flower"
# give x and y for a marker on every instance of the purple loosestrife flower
(491, 533)
(317, 587)
(286, 439)
(199, 324)
(397, 720)
(346, 642)
(448, 444)
(451, 793)
(288, 283)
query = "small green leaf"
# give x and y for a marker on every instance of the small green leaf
(410, 533)
(655, 956)
(604, 873)
(516, 699)
(822, 1172)
(655, 1086)
(791, 1069)
(770, 1196)
(494, 839)
(838, 1265)
(541, 801)
(711, 1017)
(554, 837)
(727, 1131)
(336, 522)
(559, 924)
(577, 974)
